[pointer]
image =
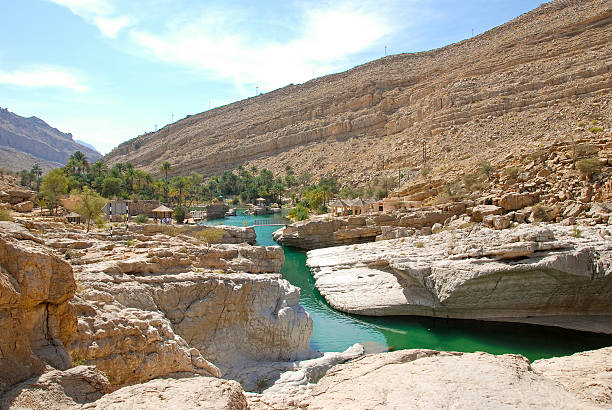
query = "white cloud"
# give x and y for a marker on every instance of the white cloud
(101, 13)
(88, 8)
(110, 27)
(327, 38)
(43, 76)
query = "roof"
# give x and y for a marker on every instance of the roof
(73, 215)
(339, 203)
(260, 199)
(356, 202)
(162, 208)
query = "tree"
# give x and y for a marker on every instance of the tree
(179, 214)
(54, 186)
(179, 185)
(111, 187)
(89, 205)
(36, 173)
(165, 167)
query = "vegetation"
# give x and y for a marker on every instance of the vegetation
(210, 235)
(486, 168)
(141, 219)
(179, 214)
(595, 130)
(513, 172)
(5, 215)
(299, 213)
(452, 192)
(54, 186)
(542, 213)
(589, 167)
(582, 151)
(89, 205)
(576, 232)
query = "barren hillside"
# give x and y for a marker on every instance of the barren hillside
(536, 80)
(27, 141)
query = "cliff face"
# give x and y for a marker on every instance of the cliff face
(525, 83)
(36, 319)
(26, 141)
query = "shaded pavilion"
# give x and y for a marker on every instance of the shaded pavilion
(162, 212)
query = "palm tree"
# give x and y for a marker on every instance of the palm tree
(37, 173)
(165, 167)
(180, 185)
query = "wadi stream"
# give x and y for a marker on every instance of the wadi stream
(335, 331)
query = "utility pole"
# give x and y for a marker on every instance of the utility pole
(424, 151)
(472, 32)
(385, 51)
(172, 118)
(256, 90)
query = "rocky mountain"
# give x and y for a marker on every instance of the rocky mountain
(26, 141)
(516, 88)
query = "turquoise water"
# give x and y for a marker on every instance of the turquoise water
(335, 331)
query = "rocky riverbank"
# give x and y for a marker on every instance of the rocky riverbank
(548, 273)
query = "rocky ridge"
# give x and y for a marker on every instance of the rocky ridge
(516, 88)
(28, 141)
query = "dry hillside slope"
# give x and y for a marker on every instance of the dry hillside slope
(27, 141)
(518, 87)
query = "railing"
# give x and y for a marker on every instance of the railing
(269, 222)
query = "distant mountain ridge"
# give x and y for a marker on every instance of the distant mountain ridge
(87, 145)
(26, 141)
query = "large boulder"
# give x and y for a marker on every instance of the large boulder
(186, 393)
(528, 274)
(417, 379)
(67, 389)
(24, 207)
(36, 319)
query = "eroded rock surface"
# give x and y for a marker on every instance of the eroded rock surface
(531, 271)
(587, 374)
(151, 305)
(36, 319)
(426, 379)
(57, 389)
(187, 393)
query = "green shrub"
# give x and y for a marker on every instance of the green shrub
(595, 130)
(141, 219)
(262, 383)
(179, 214)
(513, 172)
(589, 167)
(299, 213)
(595, 122)
(576, 232)
(542, 213)
(419, 244)
(452, 192)
(100, 222)
(581, 123)
(5, 215)
(210, 235)
(425, 170)
(584, 151)
(486, 168)
(472, 182)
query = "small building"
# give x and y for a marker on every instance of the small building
(261, 202)
(162, 212)
(339, 208)
(73, 218)
(125, 206)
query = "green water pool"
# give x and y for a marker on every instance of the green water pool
(335, 331)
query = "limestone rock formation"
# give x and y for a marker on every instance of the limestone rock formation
(524, 84)
(233, 234)
(154, 304)
(70, 388)
(36, 319)
(418, 379)
(185, 393)
(588, 374)
(526, 274)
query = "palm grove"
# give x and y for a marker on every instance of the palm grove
(96, 181)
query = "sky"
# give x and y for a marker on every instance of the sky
(110, 70)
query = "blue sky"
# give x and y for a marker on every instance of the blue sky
(109, 70)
